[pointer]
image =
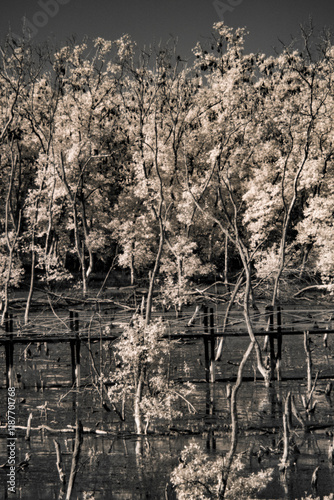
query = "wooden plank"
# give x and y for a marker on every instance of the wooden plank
(20, 339)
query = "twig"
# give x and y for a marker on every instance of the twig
(61, 473)
(27, 437)
(186, 400)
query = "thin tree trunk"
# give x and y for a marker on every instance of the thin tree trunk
(132, 269)
(227, 312)
(83, 269)
(226, 263)
(75, 458)
(61, 473)
(86, 238)
(154, 274)
(79, 246)
(308, 362)
(137, 401)
(288, 211)
(264, 372)
(234, 421)
(286, 433)
(9, 272)
(32, 279)
(306, 253)
(179, 280)
(10, 244)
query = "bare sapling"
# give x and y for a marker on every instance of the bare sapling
(308, 403)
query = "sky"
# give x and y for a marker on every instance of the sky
(152, 21)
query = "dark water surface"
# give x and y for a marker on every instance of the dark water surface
(123, 466)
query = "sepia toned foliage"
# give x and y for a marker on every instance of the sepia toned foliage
(185, 170)
(141, 378)
(197, 476)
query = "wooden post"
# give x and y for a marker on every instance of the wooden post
(308, 363)
(212, 342)
(270, 310)
(9, 348)
(71, 321)
(142, 306)
(206, 344)
(77, 350)
(72, 349)
(279, 343)
(72, 346)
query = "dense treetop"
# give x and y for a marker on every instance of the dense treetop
(177, 169)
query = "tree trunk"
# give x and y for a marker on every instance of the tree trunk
(75, 458)
(234, 418)
(286, 419)
(83, 270)
(132, 271)
(226, 264)
(86, 239)
(264, 372)
(137, 401)
(227, 312)
(32, 279)
(9, 272)
(306, 253)
(10, 244)
(179, 281)
(308, 363)
(154, 274)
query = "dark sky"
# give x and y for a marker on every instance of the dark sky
(150, 21)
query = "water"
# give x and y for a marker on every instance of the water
(123, 466)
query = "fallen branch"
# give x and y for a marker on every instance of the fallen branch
(68, 429)
(329, 288)
(61, 473)
(297, 414)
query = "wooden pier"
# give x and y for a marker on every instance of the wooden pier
(208, 332)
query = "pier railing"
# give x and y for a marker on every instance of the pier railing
(77, 329)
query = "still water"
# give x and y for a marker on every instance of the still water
(122, 466)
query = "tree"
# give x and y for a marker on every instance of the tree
(19, 67)
(198, 473)
(293, 98)
(89, 148)
(156, 103)
(141, 377)
(217, 184)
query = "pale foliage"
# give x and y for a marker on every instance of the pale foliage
(312, 497)
(141, 350)
(197, 477)
(17, 271)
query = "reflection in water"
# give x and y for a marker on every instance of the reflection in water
(119, 465)
(75, 457)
